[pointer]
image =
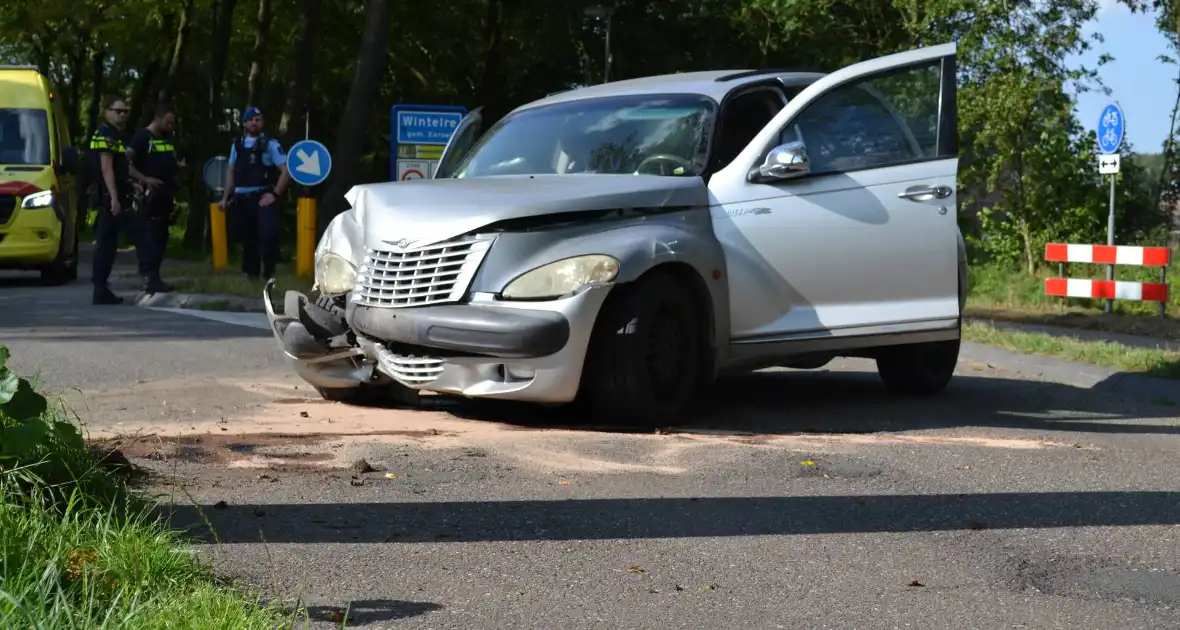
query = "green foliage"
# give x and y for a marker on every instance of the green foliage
(35, 440)
(88, 566)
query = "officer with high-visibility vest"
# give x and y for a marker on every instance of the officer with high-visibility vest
(111, 192)
(255, 184)
(153, 163)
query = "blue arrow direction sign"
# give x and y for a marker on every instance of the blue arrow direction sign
(309, 162)
(425, 125)
(1111, 126)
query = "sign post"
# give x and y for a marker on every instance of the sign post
(417, 136)
(1111, 127)
(309, 164)
(214, 173)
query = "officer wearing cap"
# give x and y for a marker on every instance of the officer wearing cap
(110, 191)
(255, 182)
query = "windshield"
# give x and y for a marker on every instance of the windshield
(650, 134)
(24, 137)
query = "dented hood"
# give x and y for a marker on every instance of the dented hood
(427, 211)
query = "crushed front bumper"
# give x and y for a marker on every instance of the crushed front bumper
(324, 359)
(526, 351)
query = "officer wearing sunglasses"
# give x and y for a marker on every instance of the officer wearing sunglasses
(111, 192)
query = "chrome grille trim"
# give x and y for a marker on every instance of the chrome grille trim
(433, 274)
(409, 369)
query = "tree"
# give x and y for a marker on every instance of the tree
(370, 62)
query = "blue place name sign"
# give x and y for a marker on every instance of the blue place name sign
(426, 127)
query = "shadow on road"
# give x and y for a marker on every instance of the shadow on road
(690, 517)
(371, 611)
(788, 402)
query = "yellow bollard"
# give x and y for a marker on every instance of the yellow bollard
(304, 236)
(217, 231)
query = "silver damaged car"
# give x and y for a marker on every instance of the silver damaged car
(624, 244)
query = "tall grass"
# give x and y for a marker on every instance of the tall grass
(82, 565)
(80, 550)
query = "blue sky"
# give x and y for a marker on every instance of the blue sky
(1142, 85)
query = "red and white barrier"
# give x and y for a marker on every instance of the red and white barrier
(1109, 255)
(1115, 290)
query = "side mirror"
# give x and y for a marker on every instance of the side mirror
(784, 162)
(69, 160)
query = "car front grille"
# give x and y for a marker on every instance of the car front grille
(435, 274)
(7, 208)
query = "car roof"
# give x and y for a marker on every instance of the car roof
(715, 84)
(24, 87)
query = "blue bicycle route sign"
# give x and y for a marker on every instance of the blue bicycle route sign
(1111, 126)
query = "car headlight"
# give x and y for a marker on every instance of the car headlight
(562, 277)
(334, 275)
(43, 199)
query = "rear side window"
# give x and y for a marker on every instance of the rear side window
(24, 136)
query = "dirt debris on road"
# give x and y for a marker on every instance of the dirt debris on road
(288, 426)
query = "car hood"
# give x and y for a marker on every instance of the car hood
(424, 212)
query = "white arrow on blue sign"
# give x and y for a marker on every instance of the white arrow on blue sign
(1111, 126)
(309, 162)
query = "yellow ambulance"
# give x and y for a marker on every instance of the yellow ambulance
(38, 166)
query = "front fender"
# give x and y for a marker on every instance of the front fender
(639, 244)
(343, 237)
(684, 238)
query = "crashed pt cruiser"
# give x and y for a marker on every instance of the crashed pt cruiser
(625, 244)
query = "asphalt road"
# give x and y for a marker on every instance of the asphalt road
(1032, 494)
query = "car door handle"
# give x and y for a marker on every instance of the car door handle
(925, 193)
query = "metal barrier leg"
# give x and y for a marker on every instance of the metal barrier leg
(1164, 304)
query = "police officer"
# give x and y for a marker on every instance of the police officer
(256, 181)
(111, 192)
(153, 163)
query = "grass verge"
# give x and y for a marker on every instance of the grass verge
(80, 550)
(1146, 361)
(1012, 295)
(208, 281)
(92, 567)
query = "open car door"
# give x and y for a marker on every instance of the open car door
(460, 143)
(839, 218)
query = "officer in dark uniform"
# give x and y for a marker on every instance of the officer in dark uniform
(255, 182)
(111, 191)
(154, 165)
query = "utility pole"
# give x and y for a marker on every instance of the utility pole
(605, 12)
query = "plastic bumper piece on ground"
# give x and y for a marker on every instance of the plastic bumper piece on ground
(470, 329)
(314, 360)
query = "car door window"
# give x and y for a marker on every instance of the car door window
(741, 121)
(884, 120)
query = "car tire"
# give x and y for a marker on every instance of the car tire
(371, 394)
(64, 268)
(346, 395)
(920, 369)
(644, 359)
